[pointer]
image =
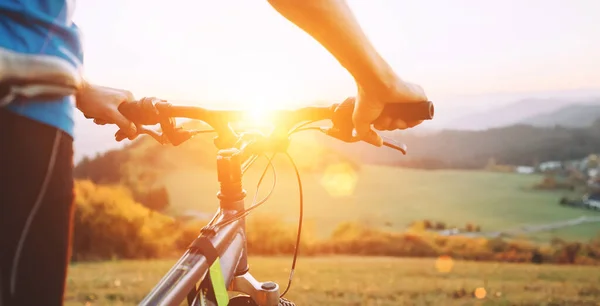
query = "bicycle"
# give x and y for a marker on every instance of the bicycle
(216, 262)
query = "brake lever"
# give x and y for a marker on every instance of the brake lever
(335, 133)
(390, 143)
(161, 138)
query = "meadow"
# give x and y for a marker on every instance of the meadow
(392, 197)
(378, 196)
(346, 280)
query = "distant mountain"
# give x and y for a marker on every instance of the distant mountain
(514, 113)
(579, 115)
(478, 111)
(516, 145)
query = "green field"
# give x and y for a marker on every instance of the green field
(381, 195)
(362, 281)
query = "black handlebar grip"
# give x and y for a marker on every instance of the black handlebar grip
(404, 111)
(409, 111)
(342, 117)
(141, 112)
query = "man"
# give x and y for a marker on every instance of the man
(40, 60)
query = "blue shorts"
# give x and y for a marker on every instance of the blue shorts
(43, 27)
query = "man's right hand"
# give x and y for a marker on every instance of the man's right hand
(370, 104)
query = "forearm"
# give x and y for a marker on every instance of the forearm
(333, 25)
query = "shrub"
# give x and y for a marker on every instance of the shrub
(108, 223)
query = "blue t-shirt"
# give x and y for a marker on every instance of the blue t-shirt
(43, 27)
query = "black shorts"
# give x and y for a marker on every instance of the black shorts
(36, 202)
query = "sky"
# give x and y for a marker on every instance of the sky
(238, 52)
(468, 55)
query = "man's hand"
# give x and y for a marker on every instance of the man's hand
(101, 103)
(369, 107)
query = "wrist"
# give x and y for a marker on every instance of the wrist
(376, 75)
(82, 92)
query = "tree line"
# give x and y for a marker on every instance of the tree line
(457, 149)
(110, 224)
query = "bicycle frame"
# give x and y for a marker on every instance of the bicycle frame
(192, 268)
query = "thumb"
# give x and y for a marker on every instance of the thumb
(362, 125)
(363, 116)
(373, 138)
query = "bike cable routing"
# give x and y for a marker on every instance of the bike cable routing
(253, 144)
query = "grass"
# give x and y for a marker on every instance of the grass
(388, 196)
(361, 281)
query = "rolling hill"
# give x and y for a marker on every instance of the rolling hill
(578, 115)
(517, 112)
(515, 145)
(338, 188)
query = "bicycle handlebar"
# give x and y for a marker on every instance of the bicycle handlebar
(152, 111)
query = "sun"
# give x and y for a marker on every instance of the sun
(259, 115)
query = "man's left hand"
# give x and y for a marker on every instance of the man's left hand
(102, 103)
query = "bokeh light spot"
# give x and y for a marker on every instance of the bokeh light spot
(339, 180)
(444, 264)
(480, 293)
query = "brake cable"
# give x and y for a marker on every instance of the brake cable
(300, 217)
(256, 204)
(310, 128)
(245, 212)
(297, 127)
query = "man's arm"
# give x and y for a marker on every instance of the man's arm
(333, 25)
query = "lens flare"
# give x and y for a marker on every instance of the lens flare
(339, 180)
(444, 264)
(480, 293)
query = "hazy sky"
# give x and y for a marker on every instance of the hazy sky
(243, 51)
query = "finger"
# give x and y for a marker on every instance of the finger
(126, 126)
(411, 124)
(120, 135)
(100, 122)
(400, 124)
(363, 116)
(382, 123)
(373, 138)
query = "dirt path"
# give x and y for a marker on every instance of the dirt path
(525, 229)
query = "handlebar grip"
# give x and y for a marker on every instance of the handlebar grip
(342, 117)
(405, 111)
(409, 111)
(141, 112)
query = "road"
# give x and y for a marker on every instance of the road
(526, 229)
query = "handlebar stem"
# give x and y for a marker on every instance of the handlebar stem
(229, 173)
